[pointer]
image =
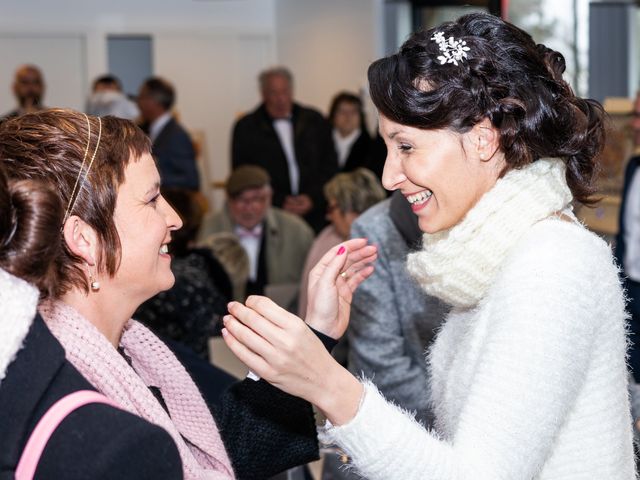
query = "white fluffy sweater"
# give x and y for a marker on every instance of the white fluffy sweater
(528, 372)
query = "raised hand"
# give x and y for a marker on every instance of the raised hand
(280, 348)
(332, 283)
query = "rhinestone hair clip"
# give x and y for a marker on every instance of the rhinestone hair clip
(453, 51)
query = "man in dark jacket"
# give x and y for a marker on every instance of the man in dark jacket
(293, 143)
(172, 145)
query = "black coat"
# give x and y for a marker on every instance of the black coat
(176, 157)
(96, 441)
(264, 430)
(359, 154)
(256, 142)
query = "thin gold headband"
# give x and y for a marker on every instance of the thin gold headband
(76, 188)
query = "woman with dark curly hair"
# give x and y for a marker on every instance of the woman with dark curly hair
(491, 147)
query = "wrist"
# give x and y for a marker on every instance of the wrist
(340, 398)
(321, 326)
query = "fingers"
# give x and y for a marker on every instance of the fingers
(362, 255)
(349, 246)
(264, 327)
(352, 266)
(249, 338)
(271, 311)
(252, 360)
(360, 276)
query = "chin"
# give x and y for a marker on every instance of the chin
(427, 226)
(166, 283)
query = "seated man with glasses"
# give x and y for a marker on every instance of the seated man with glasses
(276, 241)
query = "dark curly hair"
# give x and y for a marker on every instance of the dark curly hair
(505, 78)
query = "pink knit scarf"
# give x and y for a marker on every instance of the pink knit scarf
(189, 421)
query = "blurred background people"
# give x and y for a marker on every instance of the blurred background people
(347, 194)
(228, 250)
(107, 98)
(28, 88)
(354, 146)
(276, 241)
(172, 145)
(292, 143)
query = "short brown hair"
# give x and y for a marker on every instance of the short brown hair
(50, 146)
(30, 216)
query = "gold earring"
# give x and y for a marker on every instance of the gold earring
(94, 284)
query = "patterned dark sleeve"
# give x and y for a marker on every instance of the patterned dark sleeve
(265, 430)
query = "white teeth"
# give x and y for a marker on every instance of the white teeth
(420, 197)
(164, 249)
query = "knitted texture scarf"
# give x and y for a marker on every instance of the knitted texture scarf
(458, 265)
(189, 421)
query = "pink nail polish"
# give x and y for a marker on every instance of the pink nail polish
(341, 250)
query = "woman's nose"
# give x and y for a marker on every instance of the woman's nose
(174, 222)
(392, 175)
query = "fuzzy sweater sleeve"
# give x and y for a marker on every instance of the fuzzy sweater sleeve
(534, 354)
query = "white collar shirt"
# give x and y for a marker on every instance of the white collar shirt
(251, 240)
(344, 144)
(284, 129)
(158, 124)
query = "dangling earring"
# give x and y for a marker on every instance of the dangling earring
(94, 284)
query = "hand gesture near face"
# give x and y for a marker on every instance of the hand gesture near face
(332, 283)
(280, 348)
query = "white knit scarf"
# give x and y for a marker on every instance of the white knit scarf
(458, 265)
(189, 421)
(18, 301)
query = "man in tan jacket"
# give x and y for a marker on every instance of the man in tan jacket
(276, 241)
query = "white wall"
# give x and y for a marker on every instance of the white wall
(328, 45)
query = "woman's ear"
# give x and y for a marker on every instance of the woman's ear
(486, 139)
(81, 239)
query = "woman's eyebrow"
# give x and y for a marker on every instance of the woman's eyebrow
(154, 188)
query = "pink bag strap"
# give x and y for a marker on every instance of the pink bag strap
(30, 457)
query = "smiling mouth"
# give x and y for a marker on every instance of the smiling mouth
(419, 198)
